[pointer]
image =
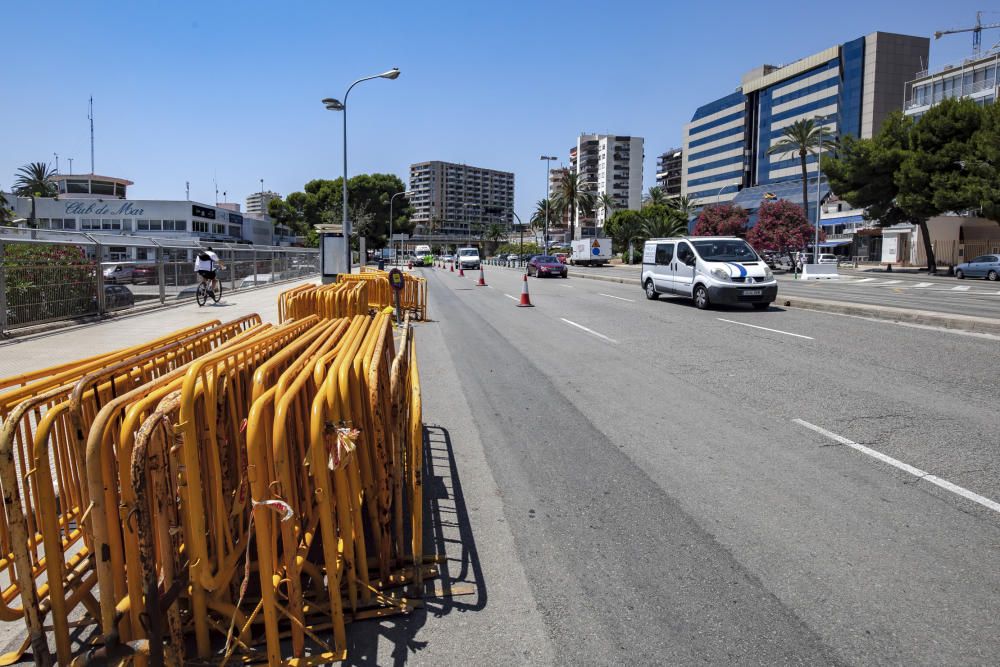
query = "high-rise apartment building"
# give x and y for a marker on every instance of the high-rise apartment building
(668, 171)
(458, 199)
(556, 175)
(258, 202)
(849, 89)
(607, 164)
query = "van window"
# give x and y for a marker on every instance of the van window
(684, 252)
(664, 253)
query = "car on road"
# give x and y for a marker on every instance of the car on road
(984, 266)
(708, 269)
(827, 258)
(145, 274)
(117, 272)
(546, 265)
(116, 297)
(468, 258)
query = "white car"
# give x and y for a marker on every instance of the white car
(708, 269)
(827, 258)
(116, 272)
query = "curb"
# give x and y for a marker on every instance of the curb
(969, 323)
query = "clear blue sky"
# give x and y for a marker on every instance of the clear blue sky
(230, 91)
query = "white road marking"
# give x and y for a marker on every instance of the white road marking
(509, 296)
(890, 282)
(960, 288)
(590, 331)
(620, 298)
(563, 285)
(905, 467)
(754, 326)
(923, 284)
(865, 280)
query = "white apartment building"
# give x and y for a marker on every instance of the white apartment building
(258, 202)
(458, 199)
(607, 164)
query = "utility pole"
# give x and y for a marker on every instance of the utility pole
(90, 115)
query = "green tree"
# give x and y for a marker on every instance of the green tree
(494, 234)
(663, 220)
(34, 180)
(608, 203)
(6, 214)
(683, 205)
(804, 137)
(982, 185)
(537, 220)
(625, 227)
(654, 196)
(572, 197)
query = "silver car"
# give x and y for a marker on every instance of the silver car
(984, 266)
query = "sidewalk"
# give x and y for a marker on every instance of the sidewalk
(20, 355)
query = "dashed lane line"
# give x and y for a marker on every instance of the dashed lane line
(590, 331)
(754, 326)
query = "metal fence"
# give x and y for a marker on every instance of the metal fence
(950, 253)
(48, 275)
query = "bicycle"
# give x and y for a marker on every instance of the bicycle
(204, 292)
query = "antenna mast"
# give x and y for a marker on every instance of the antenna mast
(90, 115)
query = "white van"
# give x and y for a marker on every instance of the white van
(708, 269)
(468, 258)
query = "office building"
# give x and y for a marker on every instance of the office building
(607, 164)
(459, 200)
(849, 88)
(258, 202)
(668, 171)
(974, 78)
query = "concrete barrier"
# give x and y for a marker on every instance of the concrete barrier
(819, 272)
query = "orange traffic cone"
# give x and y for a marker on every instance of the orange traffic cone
(525, 299)
(482, 277)
(453, 267)
(461, 271)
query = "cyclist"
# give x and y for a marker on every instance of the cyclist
(205, 265)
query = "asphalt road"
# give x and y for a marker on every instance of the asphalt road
(639, 483)
(898, 289)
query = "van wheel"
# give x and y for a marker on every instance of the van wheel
(651, 291)
(701, 297)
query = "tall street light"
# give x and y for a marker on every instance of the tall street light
(548, 175)
(332, 104)
(404, 192)
(520, 253)
(822, 120)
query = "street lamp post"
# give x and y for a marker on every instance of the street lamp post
(520, 253)
(548, 174)
(404, 192)
(332, 104)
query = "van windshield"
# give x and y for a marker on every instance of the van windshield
(727, 250)
(468, 252)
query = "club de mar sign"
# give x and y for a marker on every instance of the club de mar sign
(101, 208)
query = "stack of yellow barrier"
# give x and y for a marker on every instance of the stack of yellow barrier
(253, 487)
(412, 298)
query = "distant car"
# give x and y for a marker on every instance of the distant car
(561, 256)
(116, 297)
(117, 272)
(984, 266)
(546, 265)
(827, 258)
(468, 258)
(145, 274)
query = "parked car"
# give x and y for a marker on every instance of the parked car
(117, 272)
(984, 266)
(827, 258)
(145, 274)
(116, 297)
(546, 265)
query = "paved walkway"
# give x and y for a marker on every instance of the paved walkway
(26, 354)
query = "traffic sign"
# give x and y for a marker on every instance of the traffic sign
(595, 247)
(396, 279)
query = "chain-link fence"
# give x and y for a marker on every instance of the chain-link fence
(47, 275)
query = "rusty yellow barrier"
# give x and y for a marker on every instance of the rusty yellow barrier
(46, 496)
(239, 494)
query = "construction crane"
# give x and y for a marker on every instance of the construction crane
(977, 33)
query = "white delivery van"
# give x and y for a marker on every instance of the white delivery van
(468, 258)
(708, 269)
(591, 252)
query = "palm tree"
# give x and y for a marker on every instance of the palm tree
(683, 205)
(655, 195)
(674, 223)
(494, 234)
(805, 137)
(608, 203)
(34, 180)
(5, 213)
(571, 196)
(542, 206)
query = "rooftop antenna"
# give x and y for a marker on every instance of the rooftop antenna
(216, 183)
(90, 116)
(57, 162)
(187, 190)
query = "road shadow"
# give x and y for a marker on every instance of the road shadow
(448, 535)
(685, 302)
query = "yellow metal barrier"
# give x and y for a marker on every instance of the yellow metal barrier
(413, 297)
(247, 486)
